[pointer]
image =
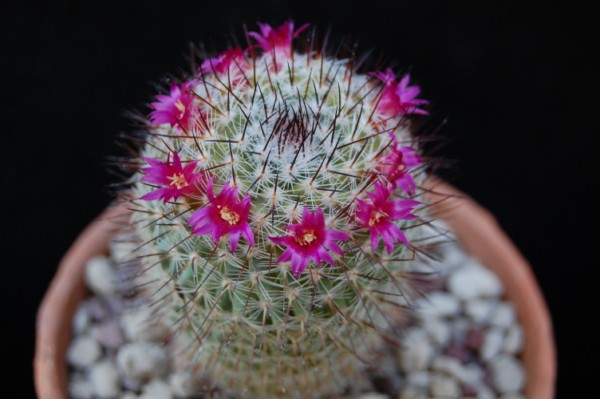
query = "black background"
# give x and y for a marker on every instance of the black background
(516, 84)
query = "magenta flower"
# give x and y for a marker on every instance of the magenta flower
(224, 61)
(277, 40)
(399, 98)
(309, 239)
(378, 216)
(175, 180)
(395, 166)
(224, 214)
(175, 109)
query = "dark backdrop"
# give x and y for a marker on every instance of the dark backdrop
(515, 83)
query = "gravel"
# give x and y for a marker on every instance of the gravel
(464, 342)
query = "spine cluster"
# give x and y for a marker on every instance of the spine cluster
(277, 207)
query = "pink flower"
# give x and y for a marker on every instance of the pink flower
(175, 109)
(396, 165)
(399, 98)
(378, 216)
(224, 214)
(175, 179)
(224, 61)
(309, 239)
(277, 40)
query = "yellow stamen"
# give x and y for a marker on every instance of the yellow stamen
(178, 180)
(230, 217)
(307, 237)
(179, 105)
(375, 216)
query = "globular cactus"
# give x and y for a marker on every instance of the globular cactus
(276, 205)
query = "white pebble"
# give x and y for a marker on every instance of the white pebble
(156, 389)
(410, 392)
(439, 331)
(121, 250)
(416, 351)
(81, 320)
(479, 310)
(471, 375)
(100, 276)
(444, 387)
(108, 334)
(419, 379)
(513, 341)
(507, 374)
(182, 384)
(139, 324)
(105, 380)
(454, 256)
(485, 392)
(83, 352)
(460, 326)
(512, 396)
(128, 395)
(141, 360)
(474, 281)
(492, 344)
(372, 395)
(504, 315)
(438, 304)
(80, 388)
(454, 368)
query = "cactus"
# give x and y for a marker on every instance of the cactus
(276, 204)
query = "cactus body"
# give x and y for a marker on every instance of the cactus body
(275, 211)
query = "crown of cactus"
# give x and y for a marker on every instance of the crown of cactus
(277, 207)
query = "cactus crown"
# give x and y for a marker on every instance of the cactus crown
(276, 208)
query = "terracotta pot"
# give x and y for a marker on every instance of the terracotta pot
(476, 229)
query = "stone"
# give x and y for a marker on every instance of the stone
(504, 316)
(485, 392)
(108, 334)
(122, 251)
(142, 360)
(128, 395)
(80, 388)
(419, 379)
(139, 325)
(182, 384)
(459, 329)
(438, 331)
(474, 281)
(81, 320)
(472, 375)
(444, 387)
(83, 352)
(492, 344)
(507, 374)
(438, 304)
(372, 395)
(416, 351)
(96, 309)
(469, 375)
(513, 340)
(156, 389)
(105, 380)
(100, 276)
(480, 310)
(410, 392)
(512, 396)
